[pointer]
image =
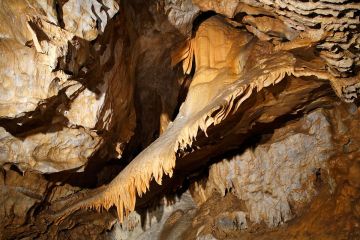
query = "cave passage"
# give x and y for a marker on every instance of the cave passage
(179, 119)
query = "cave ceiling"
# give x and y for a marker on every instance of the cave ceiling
(134, 119)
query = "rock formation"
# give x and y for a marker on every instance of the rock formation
(134, 119)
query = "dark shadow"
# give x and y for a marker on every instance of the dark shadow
(203, 16)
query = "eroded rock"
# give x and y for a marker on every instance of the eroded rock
(99, 98)
(277, 176)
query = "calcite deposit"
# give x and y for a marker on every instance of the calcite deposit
(135, 119)
(50, 113)
(272, 177)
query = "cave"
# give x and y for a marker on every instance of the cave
(180, 119)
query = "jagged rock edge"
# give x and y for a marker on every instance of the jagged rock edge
(121, 192)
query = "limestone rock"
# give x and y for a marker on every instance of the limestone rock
(228, 222)
(330, 26)
(44, 80)
(86, 19)
(167, 221)
(54, 151)
(24, 195)
(254, 177)
(125, 106)
(222, 83)
(206, 237)
(181, 14)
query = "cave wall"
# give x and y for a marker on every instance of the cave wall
(133, 119)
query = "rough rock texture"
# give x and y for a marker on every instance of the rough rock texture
(118, 106)
(324, 194)
(274, 177)
(86, 19)
(23, 196)
(56, 85)
(170, 219)
(181, 14)
(223, 81)
(332, 26)
(51, 152)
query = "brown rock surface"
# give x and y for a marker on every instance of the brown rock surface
(129, 106)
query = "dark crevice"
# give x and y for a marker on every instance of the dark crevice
(184, 90)
(39, 120)
(58, 7)
(201, 18)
